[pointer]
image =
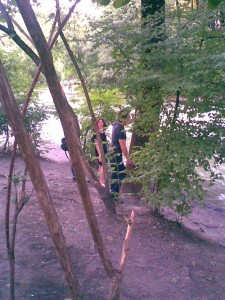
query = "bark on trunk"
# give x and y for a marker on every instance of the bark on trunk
(42, 192)
(67, 119)
(104, 192)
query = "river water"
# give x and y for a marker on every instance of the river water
(216, 193)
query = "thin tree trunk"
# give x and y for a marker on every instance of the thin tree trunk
(109, 204)
(11, 245)
(12, 33)
(6, 144)
(107, 199)
(11, 251)
(7, 225)
(42, 192)
(67, 117)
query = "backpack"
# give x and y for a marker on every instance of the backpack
(64, 144)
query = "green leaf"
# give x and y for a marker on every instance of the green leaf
(214, 3)
(104, 2)
(120, 3)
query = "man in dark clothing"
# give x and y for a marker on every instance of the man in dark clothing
(118, 172)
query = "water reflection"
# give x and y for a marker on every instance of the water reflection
(215, 194)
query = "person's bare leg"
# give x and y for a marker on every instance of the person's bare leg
(101, 175)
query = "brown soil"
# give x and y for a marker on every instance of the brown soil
(167, 260)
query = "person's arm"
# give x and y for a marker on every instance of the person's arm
(125, 152)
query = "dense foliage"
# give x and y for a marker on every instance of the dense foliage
(20, 72)
(188, 63)
(185, 65)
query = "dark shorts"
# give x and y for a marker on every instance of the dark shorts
(118, 173)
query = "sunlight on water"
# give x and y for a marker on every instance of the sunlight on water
(216, 193)
(52, 130)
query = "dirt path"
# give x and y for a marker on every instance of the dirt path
(166, 260)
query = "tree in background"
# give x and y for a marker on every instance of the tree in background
(190, 134)
(182, 111)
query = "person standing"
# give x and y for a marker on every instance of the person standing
(118, 169)
(65, 148)
(101, 127)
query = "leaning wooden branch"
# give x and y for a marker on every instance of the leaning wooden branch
(66, 116)
(42, 192)
(41, 188)
(12, 33)
(11, 245)
(107, 198)
(21, 43)
(118, 278)
(22, 31)
(94, 122)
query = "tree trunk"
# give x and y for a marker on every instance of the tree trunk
(106, 196)
(42, 192)
(148, 8)
(67, 119)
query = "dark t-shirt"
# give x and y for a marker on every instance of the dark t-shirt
(104, 142)
(118, 133)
